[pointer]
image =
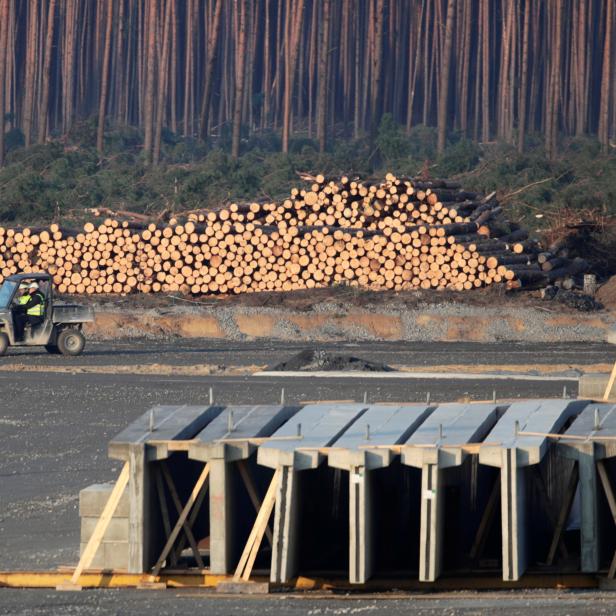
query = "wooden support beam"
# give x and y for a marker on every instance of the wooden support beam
(610, 384)
(253, 494)
(569, 437)
(192, 518)
(564, 513)
(183, 514)
(244, 567)
(162, 501)
(611, 500)
(103, 523)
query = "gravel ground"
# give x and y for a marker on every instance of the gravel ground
(185, 352)
(146, 603)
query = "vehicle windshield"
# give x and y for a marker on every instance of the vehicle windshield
(6, 292)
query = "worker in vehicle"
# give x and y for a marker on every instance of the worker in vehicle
(31, 309)
(23, 294)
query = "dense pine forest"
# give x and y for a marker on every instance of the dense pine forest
(353, 85)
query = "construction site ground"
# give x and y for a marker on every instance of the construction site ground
(59, 413)
(145, 603)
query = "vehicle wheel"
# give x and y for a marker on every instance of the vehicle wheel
(71, 342)
(4, 343)
(52, 348)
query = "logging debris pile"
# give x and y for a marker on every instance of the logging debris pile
(396, 234)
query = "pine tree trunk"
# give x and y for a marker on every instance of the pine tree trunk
(322, 78)
(102, 104)
(291, 63)
(162, 84)
(485, 47)
(4, 30)
(148, 112)
(44, 111)
(28, 103)
(444, 88)
(241, 9)
(212, 46)
(523, 85)
(377, 71)
(605, 79)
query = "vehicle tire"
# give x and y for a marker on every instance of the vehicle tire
(71, 342)
(52, 348)
(4, 343)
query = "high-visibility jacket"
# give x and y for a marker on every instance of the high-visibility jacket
(34, 311)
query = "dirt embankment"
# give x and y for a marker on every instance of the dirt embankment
(326, 315)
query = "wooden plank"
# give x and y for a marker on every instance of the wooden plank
(564, 513)
(103, 523)
(256, 534)
(568, 437)
(162, 501)
(191, 521)
(611, 500)
(183, 514)
(607, 487)
(610, 384)
(253, 494)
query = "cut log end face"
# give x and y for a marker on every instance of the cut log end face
(398, 234)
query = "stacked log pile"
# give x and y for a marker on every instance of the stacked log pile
(395, 234)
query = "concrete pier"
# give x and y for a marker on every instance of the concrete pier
(228, 439)
(141, 443)
(440, 443)
(509, 448)
(596, 421)
(297, 446)
(364, 447)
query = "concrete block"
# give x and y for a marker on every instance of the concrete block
(112, 555)
(116, 531)
(98, 562)
(93, 499)
(116, 555)
(593, 386)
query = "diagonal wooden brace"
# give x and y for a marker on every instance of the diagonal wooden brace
(254, 496)
(103, 523)
(181, 522)
(611, 500)
(251, 549)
